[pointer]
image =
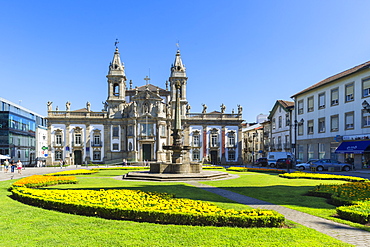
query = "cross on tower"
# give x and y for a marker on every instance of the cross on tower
(147, 79)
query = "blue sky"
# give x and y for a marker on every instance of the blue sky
(236, 52)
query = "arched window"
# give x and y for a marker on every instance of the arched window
(116, 89)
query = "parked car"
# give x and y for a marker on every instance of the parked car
(305, 166)
(325, 164)
(261, 162)
(281, 163)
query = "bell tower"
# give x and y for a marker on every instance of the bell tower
(116, 84)
(178, 75)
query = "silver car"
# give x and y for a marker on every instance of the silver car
(328, 164)
(305, 166)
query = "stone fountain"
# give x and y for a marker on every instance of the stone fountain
(178, 169)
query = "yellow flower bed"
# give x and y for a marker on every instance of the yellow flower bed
(73, 172)
(41, 181)
(321, 176)
(147, 206)
(212, 167)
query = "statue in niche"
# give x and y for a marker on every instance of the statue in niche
(68, 106)
(88, 106)
(240, 109)
(146, 108)
(204, 108)
(105, 106)
(223, 108)
(50, 108)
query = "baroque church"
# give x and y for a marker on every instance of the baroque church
(136, 124)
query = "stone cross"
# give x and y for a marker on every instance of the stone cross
(147, 79)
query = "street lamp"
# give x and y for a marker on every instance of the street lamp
(253, 153)
(366, 106)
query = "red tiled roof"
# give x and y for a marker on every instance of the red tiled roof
(335, 77)
(286, 103)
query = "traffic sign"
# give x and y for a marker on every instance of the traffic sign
(44, 148)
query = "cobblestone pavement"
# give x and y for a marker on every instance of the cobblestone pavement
(339, 231)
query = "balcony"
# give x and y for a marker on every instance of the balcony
(58, 144)
(214, 144)
(231, 145)
(196, 144)
(96, 144)
(77, 144)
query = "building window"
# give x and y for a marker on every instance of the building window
(78, 139)
(349, 118)
(146, 129)
(115, 131)
(366, 87)
(214, 140)
(310, 104)
(349, 92)
(279, 142)
(58, 139)
(334, 94)
(321, 125)
(130, 130)
(280, 121)
(287, 142)
(300, 107)
(300, 152)
(231, 137)
(287, 120)
(273, 123)
(322, 101)
(163, 130)
(300, 129)
(58, 155)
(196, 155)
(321, 150)
(231, 155)
(96, 155)
(310, 151)
(365, 118)
(116, 89)
(310, 127)
(115, 146)
(334, 123)
(196, 140)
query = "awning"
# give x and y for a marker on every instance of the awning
(353, 147)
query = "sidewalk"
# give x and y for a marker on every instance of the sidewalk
(339, 231)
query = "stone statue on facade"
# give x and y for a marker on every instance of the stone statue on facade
(50, 108)
(240, 109)
(223, 108)
(188, 107)
(68, 106)
(105, 106)
(204, 108)
(88, 106)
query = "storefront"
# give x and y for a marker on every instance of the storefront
(356, 153)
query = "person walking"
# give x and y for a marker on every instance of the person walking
(19, 167)
(61, 163)
(6, 166)
(12, 166)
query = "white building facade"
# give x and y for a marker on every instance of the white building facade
(333, 118)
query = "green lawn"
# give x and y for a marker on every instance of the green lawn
(23, 225)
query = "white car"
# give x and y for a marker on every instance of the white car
(305, 166)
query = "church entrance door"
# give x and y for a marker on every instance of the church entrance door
(78, 157)
(214, 155)
(147, 152)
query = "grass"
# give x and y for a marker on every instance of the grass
(23, 225)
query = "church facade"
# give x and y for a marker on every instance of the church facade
(136, 124)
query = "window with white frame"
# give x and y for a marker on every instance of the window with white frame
(231, 137)
(321, 124)
(280, 121)
(163, 130)
(349, 92)
(279, 142)
(300, 129)
(310, 127)
(300, 152)
(96, 155)
(366, 87)
(96, 139)
(273, 123)
(78, 139)
(321, 150)
(115, 131)
(365, 118)
(334, 123)
(321, 100)
(58, 155)
(196, 155)
(58, 139)
(231, 155)
(334, 96)
(115, 147)
(287, 119)
(196, 140)
(130, 130)
(349, 118)
(300, 107)
(310, 151)
(310, 104)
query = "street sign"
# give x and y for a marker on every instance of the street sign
(44, 148)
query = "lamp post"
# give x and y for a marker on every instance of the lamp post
(253, 153)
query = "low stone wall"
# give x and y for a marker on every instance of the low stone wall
(175, 168)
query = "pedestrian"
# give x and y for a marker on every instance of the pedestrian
(6, 166)
(61, 164)
(19, 167)
(288, 163)
(12, 166)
